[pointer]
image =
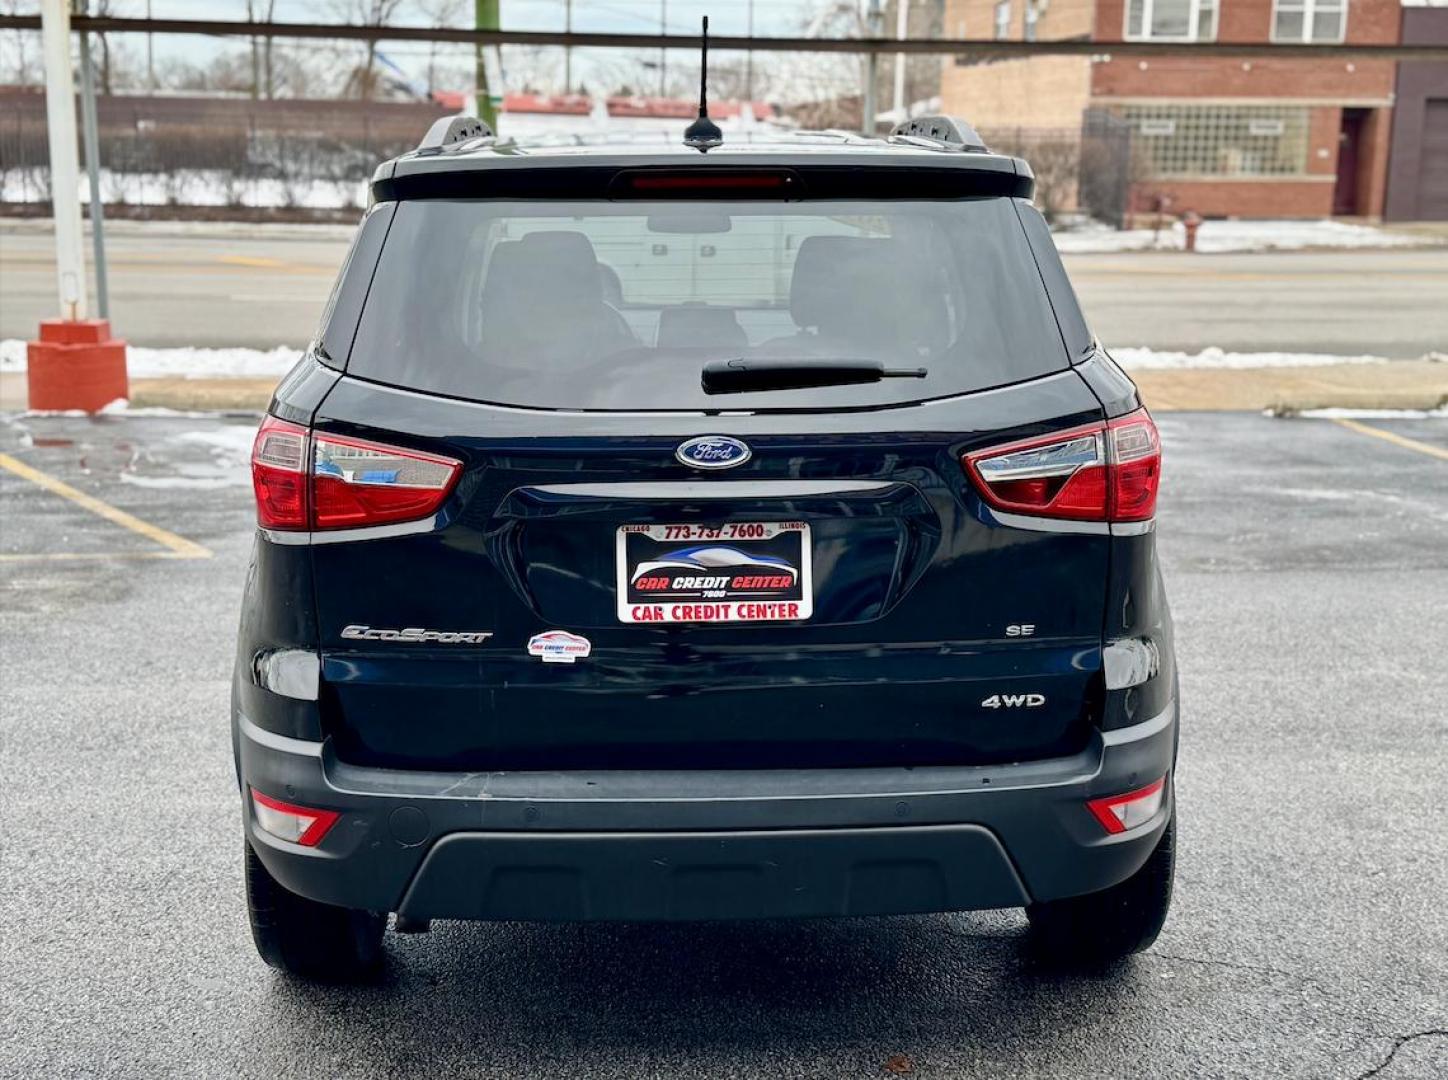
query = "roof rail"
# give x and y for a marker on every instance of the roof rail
(447, 130)
(950, 131)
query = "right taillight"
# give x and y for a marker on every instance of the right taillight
(1103, 472)
(321, 481)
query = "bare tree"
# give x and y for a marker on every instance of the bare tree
(362, 80)
(440, 13)
(20, 49)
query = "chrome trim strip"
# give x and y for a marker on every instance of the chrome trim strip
(1133, 528)
(374, 532)
(344, 536)
(1050, 525)
(284, 744)
(713, 489)
(274, 536)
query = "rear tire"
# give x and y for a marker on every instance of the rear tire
(307, 938)
(1103, 927)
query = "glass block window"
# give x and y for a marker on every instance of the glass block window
(1171, 20)
(1219, 140)
(1320, 21)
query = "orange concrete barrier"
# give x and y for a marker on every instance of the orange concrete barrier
(75, 365)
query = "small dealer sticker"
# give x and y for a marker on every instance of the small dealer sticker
(741, 571)
(558, 646)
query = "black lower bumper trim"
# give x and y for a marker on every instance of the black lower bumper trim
(700, 875)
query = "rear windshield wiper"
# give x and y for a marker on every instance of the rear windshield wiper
(741, 376)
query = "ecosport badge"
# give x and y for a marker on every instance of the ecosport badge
(713, 452)
(416, 635)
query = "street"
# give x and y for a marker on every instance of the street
(262, 286)
(1308, 570)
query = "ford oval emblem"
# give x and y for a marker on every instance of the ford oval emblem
(713, 452)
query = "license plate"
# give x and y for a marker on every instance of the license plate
(742, 571)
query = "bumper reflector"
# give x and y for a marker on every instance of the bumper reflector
(1120, 813)
(302, 825)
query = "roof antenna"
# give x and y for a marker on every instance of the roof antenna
(703, 134)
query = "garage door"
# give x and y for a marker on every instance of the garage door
(1433, 174)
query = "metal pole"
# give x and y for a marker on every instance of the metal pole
(486, 12)
(872, 70)
(902, 31)
(93, 172)
(663, 51)
(150, 55)
(64, 166)
(568, 49)
(749, 59)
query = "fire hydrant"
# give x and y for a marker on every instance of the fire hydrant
(1191, 222)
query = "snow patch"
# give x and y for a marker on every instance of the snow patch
(226, 464)
(1216, 237)
(183, 363)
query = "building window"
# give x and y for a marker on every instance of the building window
(1171, 20)
(1002, 20)
(1319, 21)
(1219, 140)
(1032, 17)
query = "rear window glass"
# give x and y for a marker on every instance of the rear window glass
(619, 305)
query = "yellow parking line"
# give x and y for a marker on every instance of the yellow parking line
(1396, 439)
(261, 261)
(178, 546)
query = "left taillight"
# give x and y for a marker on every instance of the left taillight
(1101, 472)
(321, 481)
(279, 474)
(304, 825)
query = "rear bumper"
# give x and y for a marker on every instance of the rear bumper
(689, 845)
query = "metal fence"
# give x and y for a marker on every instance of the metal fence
(227, 156)
(1085, 170)
(242, 158)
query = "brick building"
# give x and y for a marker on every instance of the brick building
(1295, 137)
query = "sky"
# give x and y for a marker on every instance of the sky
(729, 17)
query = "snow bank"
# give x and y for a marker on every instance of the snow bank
(192, 187)
(1224, 236)
(1155, 359)
(1440, 413)
(183, 363)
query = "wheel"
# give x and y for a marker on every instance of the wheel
(307, 938)
(1103, 927)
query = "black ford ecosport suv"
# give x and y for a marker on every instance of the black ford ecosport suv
(658, 535)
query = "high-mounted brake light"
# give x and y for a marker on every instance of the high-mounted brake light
(715, 182)
(1120, 813)
(702, 183)
(1101, 472)
(322, 481)
(304, 825)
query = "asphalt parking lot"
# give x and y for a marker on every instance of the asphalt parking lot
(1307, 562)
